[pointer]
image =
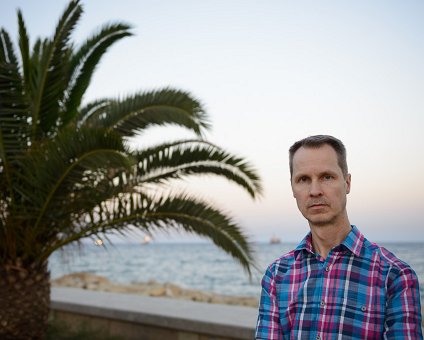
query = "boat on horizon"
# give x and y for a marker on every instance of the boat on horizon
(274, 240)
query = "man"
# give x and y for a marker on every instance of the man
(336, 284)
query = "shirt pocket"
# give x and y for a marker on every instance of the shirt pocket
(359, 320)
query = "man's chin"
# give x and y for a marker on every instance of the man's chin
(321, 221)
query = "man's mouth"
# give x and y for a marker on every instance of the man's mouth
(317, 205)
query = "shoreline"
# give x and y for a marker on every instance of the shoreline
(89, 281)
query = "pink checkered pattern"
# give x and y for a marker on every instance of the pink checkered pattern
(360, 291)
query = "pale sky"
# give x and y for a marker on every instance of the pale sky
(270, 73)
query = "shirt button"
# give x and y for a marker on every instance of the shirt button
(318, 337)
(363, 308)
(322, 303)
(327, 269)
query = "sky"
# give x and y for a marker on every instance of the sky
(270, 73)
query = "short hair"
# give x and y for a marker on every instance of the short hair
(316, 142)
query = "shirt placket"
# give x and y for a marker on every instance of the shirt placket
(325, 283)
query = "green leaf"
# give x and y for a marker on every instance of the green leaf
(84, 62)
(135, 113)
(51, 172)
(14, 134)
(66, 171)
(182, 211)
(49, 80)
(191, 157)
(25, 54)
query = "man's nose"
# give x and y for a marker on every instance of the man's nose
(315, 188)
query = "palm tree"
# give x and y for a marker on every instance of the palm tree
(67, 171)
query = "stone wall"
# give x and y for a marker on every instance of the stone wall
(151, 318)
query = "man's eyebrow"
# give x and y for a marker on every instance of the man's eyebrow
(300, 175)
(328, 172)
(322, 173)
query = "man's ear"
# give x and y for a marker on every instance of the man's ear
(291, 185)
(348, 180)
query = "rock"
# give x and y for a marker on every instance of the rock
(80, 280)
(151, 288)
(172, 290)
(157, 291)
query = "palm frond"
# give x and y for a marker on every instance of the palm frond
(187, 157)
(51, 172)
(66, 171)
(84, 62)
(196, 216)
(25, 53)
(35, 57)
(13, 110)
(94, 108)
(188, 213)
(51, 74)
(135, 113)
(7, 54)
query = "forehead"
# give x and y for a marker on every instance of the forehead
(323, 158)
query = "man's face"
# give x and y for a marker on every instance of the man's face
(319, 186)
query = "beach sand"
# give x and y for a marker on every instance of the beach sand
(91, 281)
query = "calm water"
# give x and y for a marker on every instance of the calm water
(197, 266)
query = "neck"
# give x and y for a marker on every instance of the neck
(324, 238)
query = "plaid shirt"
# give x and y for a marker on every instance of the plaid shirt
(360, 291)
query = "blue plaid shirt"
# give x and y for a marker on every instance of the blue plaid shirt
(360, 291)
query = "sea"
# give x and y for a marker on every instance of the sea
(201, 266)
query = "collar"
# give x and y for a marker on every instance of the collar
(353, 242)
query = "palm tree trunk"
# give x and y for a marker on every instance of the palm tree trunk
(24, 301)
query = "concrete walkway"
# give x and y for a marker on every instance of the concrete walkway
(234, 322)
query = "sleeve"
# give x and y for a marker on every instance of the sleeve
(403, 313)
(268, 325)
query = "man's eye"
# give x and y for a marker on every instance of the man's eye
(328, 177)
(302, 179)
